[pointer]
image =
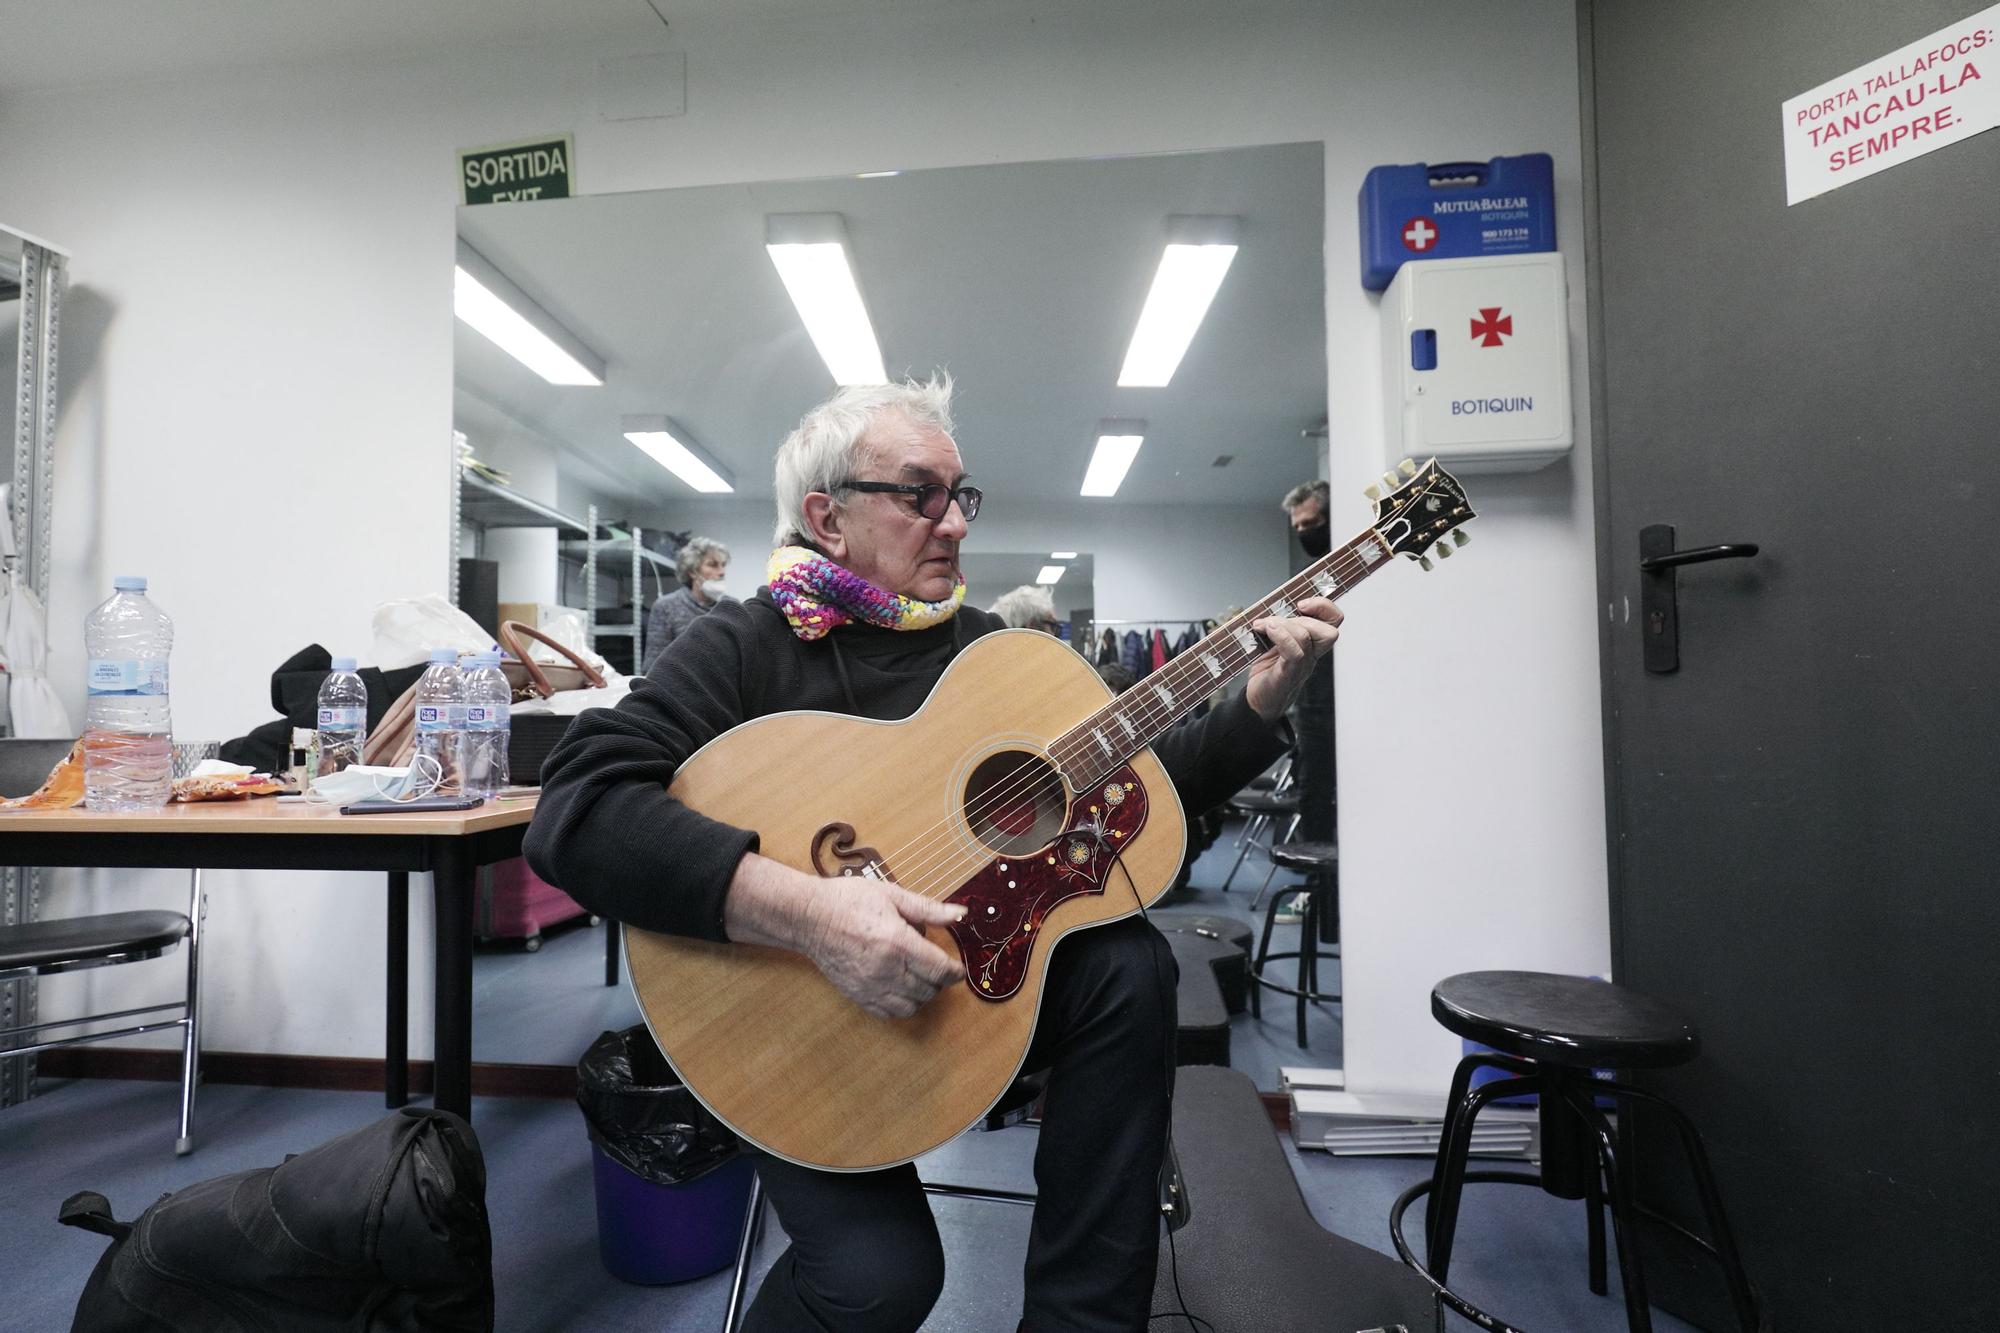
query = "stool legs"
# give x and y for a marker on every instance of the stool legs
(1624, 1213)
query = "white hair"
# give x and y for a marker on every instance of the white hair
(1024, 606)
(826, 448)
(687, 561)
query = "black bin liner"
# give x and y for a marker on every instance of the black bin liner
(641, 1114)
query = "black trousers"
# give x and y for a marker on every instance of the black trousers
(1312, 722)
(865, 1254)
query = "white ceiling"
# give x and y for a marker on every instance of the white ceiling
(1022, 280)
(69, 43)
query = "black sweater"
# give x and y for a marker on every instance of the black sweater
(607, 832)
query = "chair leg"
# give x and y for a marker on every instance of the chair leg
(1263, 949)
(191, 1018)
(611, 938)
(1593, 1202)
(1244, 842)
(1308, 924)
(1722, 1239)
(1453, 1147)
(1624, 1214)
(1258, 902)
(746, 1251)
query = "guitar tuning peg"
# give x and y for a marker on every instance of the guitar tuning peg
(1444, 550)
(1409, 468)
(1391, 481)
(1424, 563)
(1460, 537)
(1374, 493)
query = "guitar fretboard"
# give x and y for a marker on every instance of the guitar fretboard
(1099, 745)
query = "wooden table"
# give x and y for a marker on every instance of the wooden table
(262, 834)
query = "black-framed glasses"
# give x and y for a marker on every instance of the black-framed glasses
(933, 499)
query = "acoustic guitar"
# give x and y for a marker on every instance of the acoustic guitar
(1021, 790)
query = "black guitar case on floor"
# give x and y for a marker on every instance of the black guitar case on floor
(382, 1230)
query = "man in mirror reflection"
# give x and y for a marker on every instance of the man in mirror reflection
(701, 563)
(862, 614)
(1028, 607)
(1305, 507)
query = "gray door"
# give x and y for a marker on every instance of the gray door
(1804, 814)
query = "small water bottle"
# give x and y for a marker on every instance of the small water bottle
(488, 698)
(128, 726)
(343, 718)
(441, 716)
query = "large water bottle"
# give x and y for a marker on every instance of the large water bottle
(488, 699)
(128, 728)
(441, 715)
(343, 718)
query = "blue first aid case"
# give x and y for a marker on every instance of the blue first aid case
(1455, 210)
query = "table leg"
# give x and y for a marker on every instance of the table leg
(451, 882)
(396, 1040)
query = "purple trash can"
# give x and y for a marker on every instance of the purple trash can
(653, 1234)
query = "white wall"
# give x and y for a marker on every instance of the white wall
(263, 294)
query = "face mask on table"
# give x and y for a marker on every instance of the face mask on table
(364, 782)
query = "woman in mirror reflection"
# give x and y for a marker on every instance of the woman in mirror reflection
(701, 564)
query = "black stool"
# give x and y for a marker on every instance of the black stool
(1554, 1031)
(1317, 859)
(1261, 811)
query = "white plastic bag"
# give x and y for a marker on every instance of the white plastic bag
(407, 631)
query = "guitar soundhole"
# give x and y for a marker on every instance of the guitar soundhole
(1015, 802)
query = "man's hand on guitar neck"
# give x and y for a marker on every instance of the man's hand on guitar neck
(863, 934)
(1297, 644)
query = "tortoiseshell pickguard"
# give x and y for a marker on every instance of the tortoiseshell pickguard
(1009, 899)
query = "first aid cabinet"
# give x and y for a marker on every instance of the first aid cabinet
(1475, 356)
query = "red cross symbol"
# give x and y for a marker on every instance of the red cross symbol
(1490, 325)
(1419, 234)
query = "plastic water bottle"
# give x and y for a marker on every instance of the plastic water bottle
(343, 718)
(128, 727)
(488, 698)
(441, 715)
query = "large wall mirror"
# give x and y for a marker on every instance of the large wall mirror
(1025, 282)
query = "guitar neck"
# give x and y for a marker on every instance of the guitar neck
(1099, 745)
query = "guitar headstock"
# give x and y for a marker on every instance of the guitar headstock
(1417, 508)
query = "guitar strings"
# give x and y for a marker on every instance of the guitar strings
(952, 859)
(938, 851)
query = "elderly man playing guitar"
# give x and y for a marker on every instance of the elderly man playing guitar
(870, 951)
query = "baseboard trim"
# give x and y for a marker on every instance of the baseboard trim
(336, 1073)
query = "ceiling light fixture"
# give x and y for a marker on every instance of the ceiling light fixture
(1117, 445)
(1049, 575)
(667, 444)
(810, 252)
(486, 299)
(1198, 254)
(1062, 555)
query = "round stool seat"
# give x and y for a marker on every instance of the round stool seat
(1265, 803)
(1562, 1020)
(1307, 856)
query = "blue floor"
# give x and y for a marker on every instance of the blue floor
(1519, 1252)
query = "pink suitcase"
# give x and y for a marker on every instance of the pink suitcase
(514, 903)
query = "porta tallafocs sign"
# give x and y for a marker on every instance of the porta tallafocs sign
(1933, 92)
(534, 169)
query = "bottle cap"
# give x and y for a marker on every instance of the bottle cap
(448, 656)
(129, 583)
(343, 664)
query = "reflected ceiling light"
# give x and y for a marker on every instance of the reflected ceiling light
(1198, 254)
(810, 252)
(1062, 555)
(1117, 445)
(1049, 574)
(667, 444)
(484, 298)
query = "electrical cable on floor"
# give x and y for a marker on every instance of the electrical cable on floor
(1194, 1321)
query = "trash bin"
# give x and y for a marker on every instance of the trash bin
(672, 1182)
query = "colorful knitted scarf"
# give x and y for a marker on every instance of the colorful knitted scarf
(815, 594)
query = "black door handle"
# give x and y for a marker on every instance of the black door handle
(1731, 551)
(1659, 590)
